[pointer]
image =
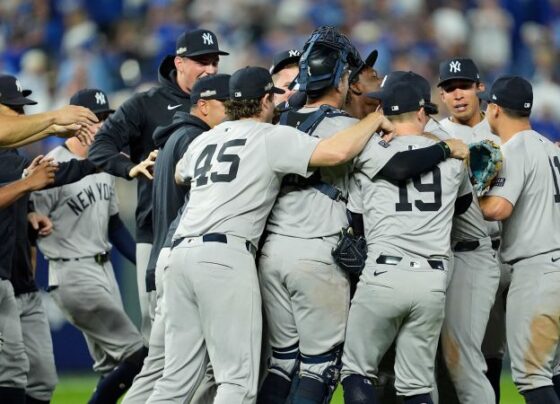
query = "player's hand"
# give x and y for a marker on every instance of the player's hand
(41, 223)
(41, 175)
(459, 149)
(36, 162)
(145, 168)
(72, 114)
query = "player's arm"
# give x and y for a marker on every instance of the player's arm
(118, 131)
(121, 238)
(499, 201)
(346, 144)
(39, 177)
(495, 208)
(17, 131)
(410, 163)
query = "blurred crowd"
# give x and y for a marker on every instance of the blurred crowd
(56, 47)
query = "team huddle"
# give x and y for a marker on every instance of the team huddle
(298, 227)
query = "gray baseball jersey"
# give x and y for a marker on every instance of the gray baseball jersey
(469, 135)
(301, 212)
(234, 172)
(407, 224)
(530, 181)
(412, 202)
(232, 157)
(80, 211)
(471, 224)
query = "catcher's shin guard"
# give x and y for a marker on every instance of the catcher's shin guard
(358, 390)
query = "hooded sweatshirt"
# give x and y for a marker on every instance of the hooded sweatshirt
(168, 197)
(133, 125)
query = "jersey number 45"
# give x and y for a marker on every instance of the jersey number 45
(204, 163)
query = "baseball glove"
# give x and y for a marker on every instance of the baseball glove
(485, 163)
(350, 252)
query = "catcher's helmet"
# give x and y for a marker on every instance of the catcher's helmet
(326, 56)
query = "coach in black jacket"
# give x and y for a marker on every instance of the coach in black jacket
(134, 123)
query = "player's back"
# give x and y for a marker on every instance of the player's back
(235, 172)
(305, 212)
(413, 217)
(538, 167)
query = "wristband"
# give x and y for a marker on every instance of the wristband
(446, 150)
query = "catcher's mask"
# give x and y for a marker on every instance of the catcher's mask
(327, 55)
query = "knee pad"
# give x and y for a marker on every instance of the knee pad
(284, 361)
(325, 367)
(419, 399)
(358, 390)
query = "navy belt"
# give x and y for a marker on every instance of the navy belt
(100, 258)
(496, 243)
(216, 238)
(392, 260)
(464, 246)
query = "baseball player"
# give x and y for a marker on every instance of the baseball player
(26, 358)
(234, 171)
(81, 278)
(475, 278)
(133, 124)
(207, 110)
(284, 70)
(526, 198)
(401, 293)
(299, 317)
(363, 81)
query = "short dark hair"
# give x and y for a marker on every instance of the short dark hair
(512, 113)
(244, 108)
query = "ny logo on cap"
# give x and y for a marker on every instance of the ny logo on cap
(527, 105)
(293, 53)
(207, 38)
(100, 98)
(18, 86)
(455, 66)
(237, 94)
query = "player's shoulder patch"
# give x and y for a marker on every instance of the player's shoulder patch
(383, 143)
(499, 182)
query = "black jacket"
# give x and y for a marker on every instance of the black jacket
(15, 260)
(133, 125)
(168, 197)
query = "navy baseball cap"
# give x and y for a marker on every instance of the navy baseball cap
(458, 69)
(92, 98)
(211, 88)
(196, 43)
(251, 82)
(283, 59)
(369, 62)
(512, 92)
(401, 93)
(414, 80)
(12, 94)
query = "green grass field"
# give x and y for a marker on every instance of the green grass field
(77, 389)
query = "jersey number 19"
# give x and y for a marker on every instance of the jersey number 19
(403, 205)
